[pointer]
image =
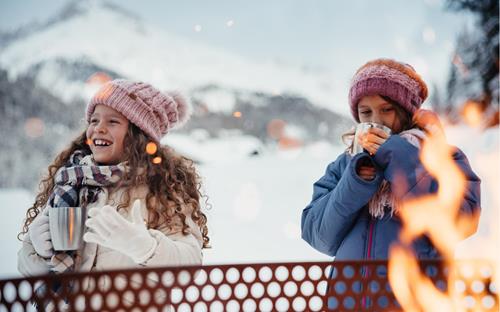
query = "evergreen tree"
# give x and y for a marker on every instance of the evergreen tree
(474, 72)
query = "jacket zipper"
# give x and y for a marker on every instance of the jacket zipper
(370, 239)
(366, 272)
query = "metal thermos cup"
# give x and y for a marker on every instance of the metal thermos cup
(361, 128)
(67, 225)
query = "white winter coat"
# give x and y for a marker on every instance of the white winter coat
(173, 248)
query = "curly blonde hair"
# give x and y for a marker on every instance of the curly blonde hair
(173, 183)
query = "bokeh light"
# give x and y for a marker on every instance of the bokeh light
(156, 160)
(471, 113)
(98, 78)
(286, 143)
(276, 128)
(34, 127)
(151, 148)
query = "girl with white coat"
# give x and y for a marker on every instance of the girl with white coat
(142, 199)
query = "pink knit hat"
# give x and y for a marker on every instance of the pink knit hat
(152, 111)
(386, 77)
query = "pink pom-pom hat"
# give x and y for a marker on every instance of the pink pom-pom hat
(153, 111)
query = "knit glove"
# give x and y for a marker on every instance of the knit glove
(109, 229)
(39, 234)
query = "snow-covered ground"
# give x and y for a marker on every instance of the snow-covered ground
(257, 201)
(257, 205)
(14, 203)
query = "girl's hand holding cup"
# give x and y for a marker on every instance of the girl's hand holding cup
(369, 137)
(372, 138)
(39, 234)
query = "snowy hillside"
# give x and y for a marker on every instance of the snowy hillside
(105, 36)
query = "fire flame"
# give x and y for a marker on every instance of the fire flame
(437, 216)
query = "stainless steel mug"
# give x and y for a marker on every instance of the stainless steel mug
(67, 225)
(361, 128)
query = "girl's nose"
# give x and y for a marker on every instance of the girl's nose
(100, 128)
(376, 118)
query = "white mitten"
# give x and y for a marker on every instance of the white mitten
(39, 234)
(108, 228)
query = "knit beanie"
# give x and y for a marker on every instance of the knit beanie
(385, 77)
(152, 111)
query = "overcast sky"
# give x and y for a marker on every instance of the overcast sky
(327, 34)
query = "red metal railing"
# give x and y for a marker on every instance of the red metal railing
(306, 286)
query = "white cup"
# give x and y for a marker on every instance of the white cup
(67, 225)
(362, 128)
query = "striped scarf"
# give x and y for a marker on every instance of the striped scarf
(80, 180)
(77, 184)
(384, 198)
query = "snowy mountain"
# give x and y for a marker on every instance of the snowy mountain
(62, 57)
(34, 125)
(107, 37)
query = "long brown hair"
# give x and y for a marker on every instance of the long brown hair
(405, 118)
(173, 184)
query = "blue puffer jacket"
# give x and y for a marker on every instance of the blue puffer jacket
(337, 222)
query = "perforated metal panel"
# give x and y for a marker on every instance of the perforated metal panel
(241, 287)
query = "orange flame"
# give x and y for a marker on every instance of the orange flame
(443, 206)
(412, 289)
(437, 216)
(237, 114)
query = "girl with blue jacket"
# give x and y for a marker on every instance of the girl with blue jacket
(353, 212)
